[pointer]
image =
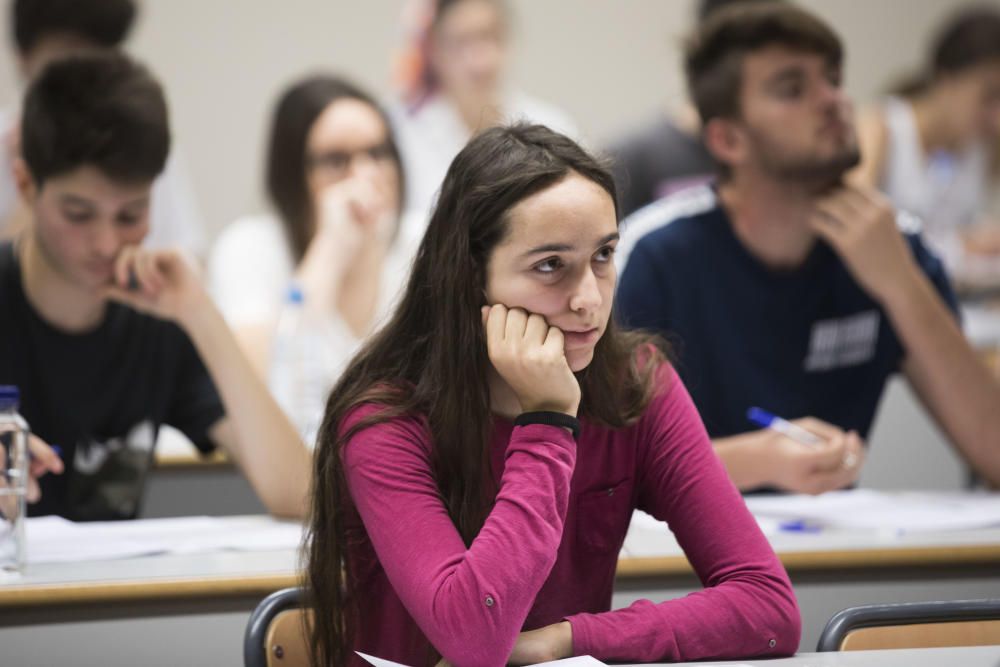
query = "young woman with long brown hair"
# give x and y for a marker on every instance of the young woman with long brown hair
(481, 457)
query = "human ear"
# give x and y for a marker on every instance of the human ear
(26, 186)
(724, 140)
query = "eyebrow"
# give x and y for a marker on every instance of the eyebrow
(790, 73)
(77, 200)
(563, 247)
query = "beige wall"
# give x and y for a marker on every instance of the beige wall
(610, 63)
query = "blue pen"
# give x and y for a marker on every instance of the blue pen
(799, 526)
(765, 419)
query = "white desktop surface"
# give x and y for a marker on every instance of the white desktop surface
(970, 656)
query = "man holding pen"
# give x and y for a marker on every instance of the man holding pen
(789, 289)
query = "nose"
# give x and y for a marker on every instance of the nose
(831, 95)
(586, 296)
(105, 241)
(363, 164)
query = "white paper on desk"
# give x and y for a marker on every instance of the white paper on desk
(908, 512)
(56, 540)
(579, 661)
(52, 539)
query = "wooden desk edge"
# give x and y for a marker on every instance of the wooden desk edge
(155, 589)
(205, 587)
(845, 559)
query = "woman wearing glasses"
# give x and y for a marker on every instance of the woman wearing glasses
(317, 276)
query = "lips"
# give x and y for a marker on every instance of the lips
(575, 339)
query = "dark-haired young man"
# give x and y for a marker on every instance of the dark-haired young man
(106, 340)
(46, 30)
(789, 289)
(667, 154)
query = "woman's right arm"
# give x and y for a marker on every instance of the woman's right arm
(471, 602)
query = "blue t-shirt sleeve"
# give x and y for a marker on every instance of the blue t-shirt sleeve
(642, 301)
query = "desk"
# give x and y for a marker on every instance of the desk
(192, 609)
(972, 656)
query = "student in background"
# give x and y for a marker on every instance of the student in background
(667, 154)
(336, 182)
(108, 340)
(45, 30)
(787, 289)
(494, 438)
(452, 75)
(932, 147)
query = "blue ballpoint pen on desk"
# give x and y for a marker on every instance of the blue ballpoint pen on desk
(765, 419)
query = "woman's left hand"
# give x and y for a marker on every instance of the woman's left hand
(553, 642)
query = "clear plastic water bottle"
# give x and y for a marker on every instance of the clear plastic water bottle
(14, 479)
(296, 366)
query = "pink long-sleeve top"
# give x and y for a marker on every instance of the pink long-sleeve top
(548, 549)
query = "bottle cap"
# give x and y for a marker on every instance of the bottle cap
(294, 294)
(10, 396)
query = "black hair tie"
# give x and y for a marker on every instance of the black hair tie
(551, 419)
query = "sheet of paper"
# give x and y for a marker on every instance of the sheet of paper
(55, 540)
(905, 512)
(379, 662)
(579, 661)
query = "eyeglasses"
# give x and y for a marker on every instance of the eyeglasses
(337, 163)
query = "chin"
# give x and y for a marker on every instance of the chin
(579, 359)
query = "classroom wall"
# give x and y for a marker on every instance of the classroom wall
(610, 63)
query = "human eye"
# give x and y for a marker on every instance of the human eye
(332, 160)
(834, 76)
(381, 152)
(789, 90)
(548, 266)
(77, 216)
(605, 254)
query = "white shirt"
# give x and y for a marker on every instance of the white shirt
(946, 191)
(250, 271)
(431, 137)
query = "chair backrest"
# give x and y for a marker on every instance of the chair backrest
(277, 634)
(913, 625)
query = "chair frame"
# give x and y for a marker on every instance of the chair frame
(254, 649)
(908, 613)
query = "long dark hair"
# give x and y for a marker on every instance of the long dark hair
(970, 38)
(294, 114)
(430, 360)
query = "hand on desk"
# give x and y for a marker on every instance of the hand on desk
(42, 460)
(768, 458)
(553, 642)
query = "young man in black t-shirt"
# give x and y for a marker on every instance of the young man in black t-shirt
(107, 340)
(791, 289)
